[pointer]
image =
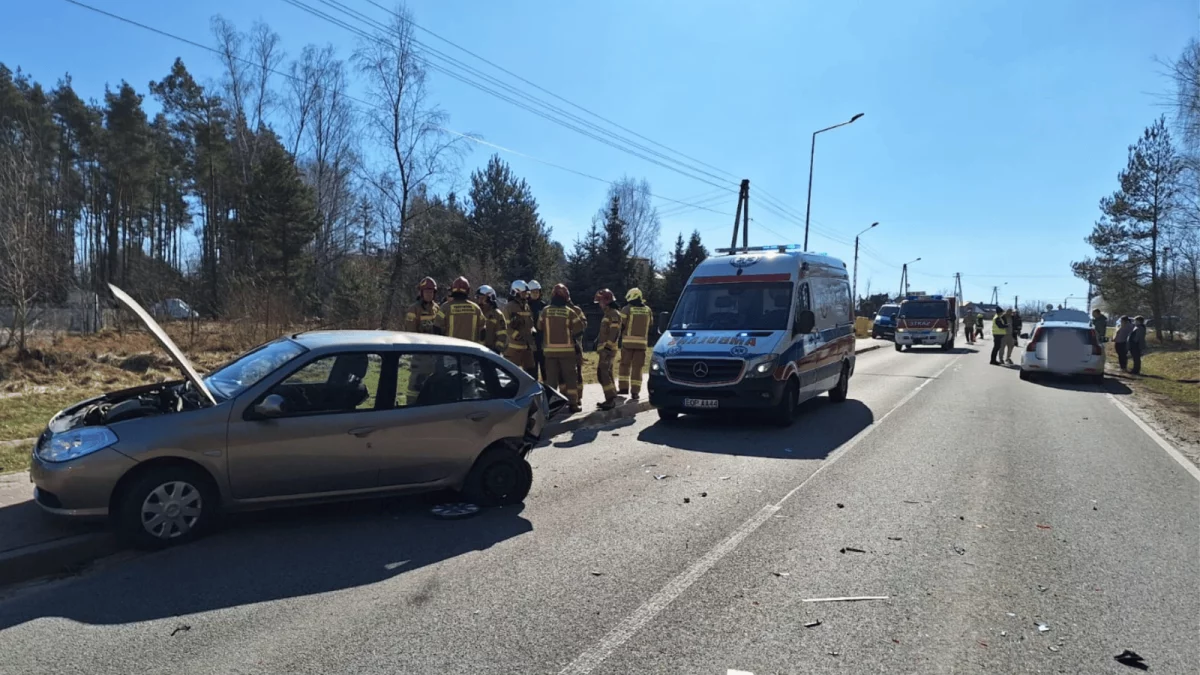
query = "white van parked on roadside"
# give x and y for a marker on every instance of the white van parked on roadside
(757, 328)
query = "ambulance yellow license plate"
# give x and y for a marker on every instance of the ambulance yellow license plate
(699, 402)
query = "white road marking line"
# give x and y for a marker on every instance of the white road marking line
(1162, 443)
(731, 671)
(587, 661)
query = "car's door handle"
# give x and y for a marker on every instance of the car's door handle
(477, 417)
(362, 432)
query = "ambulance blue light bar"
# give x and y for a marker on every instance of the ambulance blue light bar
(781, 248)
(924, 297)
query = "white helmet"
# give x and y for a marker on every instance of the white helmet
(519, 286)
(487, 292)
(534, 285)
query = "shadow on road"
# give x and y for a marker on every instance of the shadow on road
(1110, 385)
(939, 350)
(270, 556)
(585, 436)
(820, 428)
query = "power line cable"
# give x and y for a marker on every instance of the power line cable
(368, 104)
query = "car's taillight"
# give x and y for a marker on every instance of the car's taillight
(1037, 335)
(1096, 349)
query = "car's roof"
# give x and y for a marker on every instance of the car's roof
(1065, 324)
(321, 339)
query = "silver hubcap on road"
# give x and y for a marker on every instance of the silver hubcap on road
(171, 510)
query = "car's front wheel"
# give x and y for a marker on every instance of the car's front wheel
(785, 413)
(165, 506)
(499, 477)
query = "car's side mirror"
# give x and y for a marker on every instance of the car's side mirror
(271, 406)
(664, 319)
(805, 322)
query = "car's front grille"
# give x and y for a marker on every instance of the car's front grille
(704, 371)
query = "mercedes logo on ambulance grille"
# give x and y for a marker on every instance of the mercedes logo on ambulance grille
(700, 369)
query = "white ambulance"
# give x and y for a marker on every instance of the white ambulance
(757, 328)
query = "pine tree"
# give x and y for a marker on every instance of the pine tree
(279, 220)
(613, 268)
(1129, 236)
(507, 233)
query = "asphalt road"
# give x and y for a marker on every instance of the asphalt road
(982, 506)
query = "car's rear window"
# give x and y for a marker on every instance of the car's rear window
(888, 310)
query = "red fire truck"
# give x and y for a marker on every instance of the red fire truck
(926, 320)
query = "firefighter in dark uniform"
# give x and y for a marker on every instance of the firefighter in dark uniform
(520, 329)
(558, 325)
(536, 305)
(635, 329)
(421, 317)
(606, 347)
(494, 335)
(460, 318)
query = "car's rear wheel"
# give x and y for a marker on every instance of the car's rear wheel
(785, 413)
(165, 506)
(1025, 375)
(499, 477)
(839, 392)
(668, 414)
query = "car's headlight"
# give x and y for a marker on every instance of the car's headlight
(940, 330)
(901, 330)
(76, 443)
(656, 364)
(761, 366)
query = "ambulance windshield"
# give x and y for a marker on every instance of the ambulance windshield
(734, 306)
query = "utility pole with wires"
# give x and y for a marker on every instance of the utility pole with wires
(958, 291)
(996, 296)
(742, 214)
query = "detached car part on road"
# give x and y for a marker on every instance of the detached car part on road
(316, 416)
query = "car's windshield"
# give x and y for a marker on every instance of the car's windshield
(248, 369)
(888, 310)
(923, 310)
(734, 306)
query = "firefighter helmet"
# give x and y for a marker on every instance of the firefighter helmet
(534, 286)
(633, 294)
(427, 284)
(560, 291)
(605, 295)
(460, 285)
(487, 292)
(519, 286)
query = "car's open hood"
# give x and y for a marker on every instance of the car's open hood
(159, 334)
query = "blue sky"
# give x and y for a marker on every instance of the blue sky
(991, 128)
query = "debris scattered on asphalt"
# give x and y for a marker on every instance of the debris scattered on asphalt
(841, 506)
(813, 624)
(597, 574)
(1042, 588)
(981, 526)
(961, 518)
(703, 494)
(851, 549)
(649, 465)
(1094, 505)
(1003, 633)
(1010, 614)
(960, 550)
(1053, 648)
(1132, 659)
(1042, 628)
(455, 510)
(909, 501)
(1043, 527)
(724, 477)
(981, 643)
(782, 574)
(855, 598)
(895, 640)
(834, 653)
(181, 628)
(661, 476)
(687, 500)
(895, 538)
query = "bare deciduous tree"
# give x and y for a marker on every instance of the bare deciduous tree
(639, 213)
(248, 61)
(412, 130)
(22, 238)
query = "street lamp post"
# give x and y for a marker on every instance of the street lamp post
(854, 289)
(811, 157)
(904, 277)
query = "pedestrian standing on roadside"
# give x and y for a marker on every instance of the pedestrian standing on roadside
(969, 323)
(1007, 338)
(1137, 343)
(1014, 334)
(1100, 323)
(979, 326)
(1121, 338)
(999, 330)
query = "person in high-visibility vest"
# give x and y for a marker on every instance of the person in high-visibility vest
(606, 347)
(460, 318)
(558, 325)
(520, 329)
(635, 328)
(421, 317)
(494, 335)
(1000, 328)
